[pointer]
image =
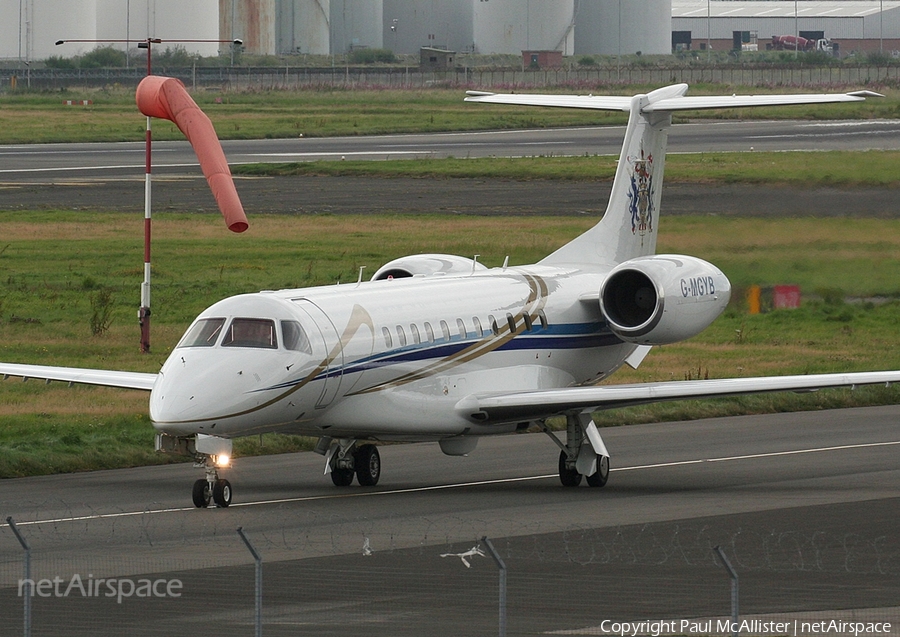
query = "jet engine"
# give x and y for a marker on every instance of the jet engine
(662, 299)
(427, 265)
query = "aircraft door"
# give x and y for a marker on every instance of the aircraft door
(327, 349)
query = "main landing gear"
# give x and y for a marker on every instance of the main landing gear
(344, 459)
(583, 454)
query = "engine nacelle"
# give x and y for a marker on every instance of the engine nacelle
(426, 265)
(662, 299)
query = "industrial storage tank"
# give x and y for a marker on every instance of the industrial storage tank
(412, 24)
(356, 24)
(252, 21)
(513, 26)
(303, 26)
(623, 27)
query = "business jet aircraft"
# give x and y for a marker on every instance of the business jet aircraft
(439, 347)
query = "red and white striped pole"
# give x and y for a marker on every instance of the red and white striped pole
(144, 311)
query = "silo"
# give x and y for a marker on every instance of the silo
(412, 24)
(356, 24)
(303, 26)
(513, 26)
(623, 27)
(252, 21)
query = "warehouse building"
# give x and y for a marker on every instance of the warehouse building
(834, 26)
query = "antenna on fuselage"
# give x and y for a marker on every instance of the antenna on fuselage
(359, 280)
(475, 262)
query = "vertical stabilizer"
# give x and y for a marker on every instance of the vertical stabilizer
(628, 228)
(629, 225)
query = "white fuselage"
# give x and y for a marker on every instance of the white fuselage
(390, 359)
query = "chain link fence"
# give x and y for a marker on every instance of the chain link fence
(437, 576)
(297, 78)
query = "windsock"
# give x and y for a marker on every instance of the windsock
(166, 98)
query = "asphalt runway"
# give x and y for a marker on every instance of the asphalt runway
(803, 504)
(111, 176)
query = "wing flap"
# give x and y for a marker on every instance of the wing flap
(536, 405)
(103, 377)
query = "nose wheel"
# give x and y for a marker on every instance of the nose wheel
(212, 488)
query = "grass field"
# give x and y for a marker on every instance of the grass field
(52, 264)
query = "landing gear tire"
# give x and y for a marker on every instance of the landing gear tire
(201, 494)
(342, 477)
(222, 493)
(368, 465)
(602, 475)
(568, 477)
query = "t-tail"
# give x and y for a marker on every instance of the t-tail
(629, 226)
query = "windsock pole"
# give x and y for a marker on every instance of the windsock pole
(231, 206)
(144, 310)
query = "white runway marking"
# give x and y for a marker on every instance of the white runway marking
(459, 485)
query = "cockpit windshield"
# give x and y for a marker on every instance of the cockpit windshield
(251, 332)
(204, 333)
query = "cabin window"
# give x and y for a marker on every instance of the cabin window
(414, 330)
(388, 341)
(493, 323)
(204, 333)
(512, 323)
(479, 332)
(429, 333)
(446, 330)
(401, 336)
(250, 332)
(461, 327)
(528, 323)
(294, 337)
(543, 318)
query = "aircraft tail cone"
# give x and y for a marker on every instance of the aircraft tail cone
(166, 98)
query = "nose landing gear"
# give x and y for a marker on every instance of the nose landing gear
(212, 487)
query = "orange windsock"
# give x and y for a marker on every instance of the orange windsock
(166, 98)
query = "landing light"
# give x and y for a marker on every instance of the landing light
(222, 460)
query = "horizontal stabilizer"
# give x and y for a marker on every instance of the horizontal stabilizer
(666, 99)
(106, 378)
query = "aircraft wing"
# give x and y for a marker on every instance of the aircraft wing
(535, 405)
(672, 99)
(107, 378)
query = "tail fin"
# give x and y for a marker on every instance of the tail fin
(628, 228)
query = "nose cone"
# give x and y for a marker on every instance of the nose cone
(209, 390)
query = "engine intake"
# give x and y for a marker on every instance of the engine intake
(662, 299)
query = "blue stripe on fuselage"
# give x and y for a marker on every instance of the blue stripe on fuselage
(565, 336)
